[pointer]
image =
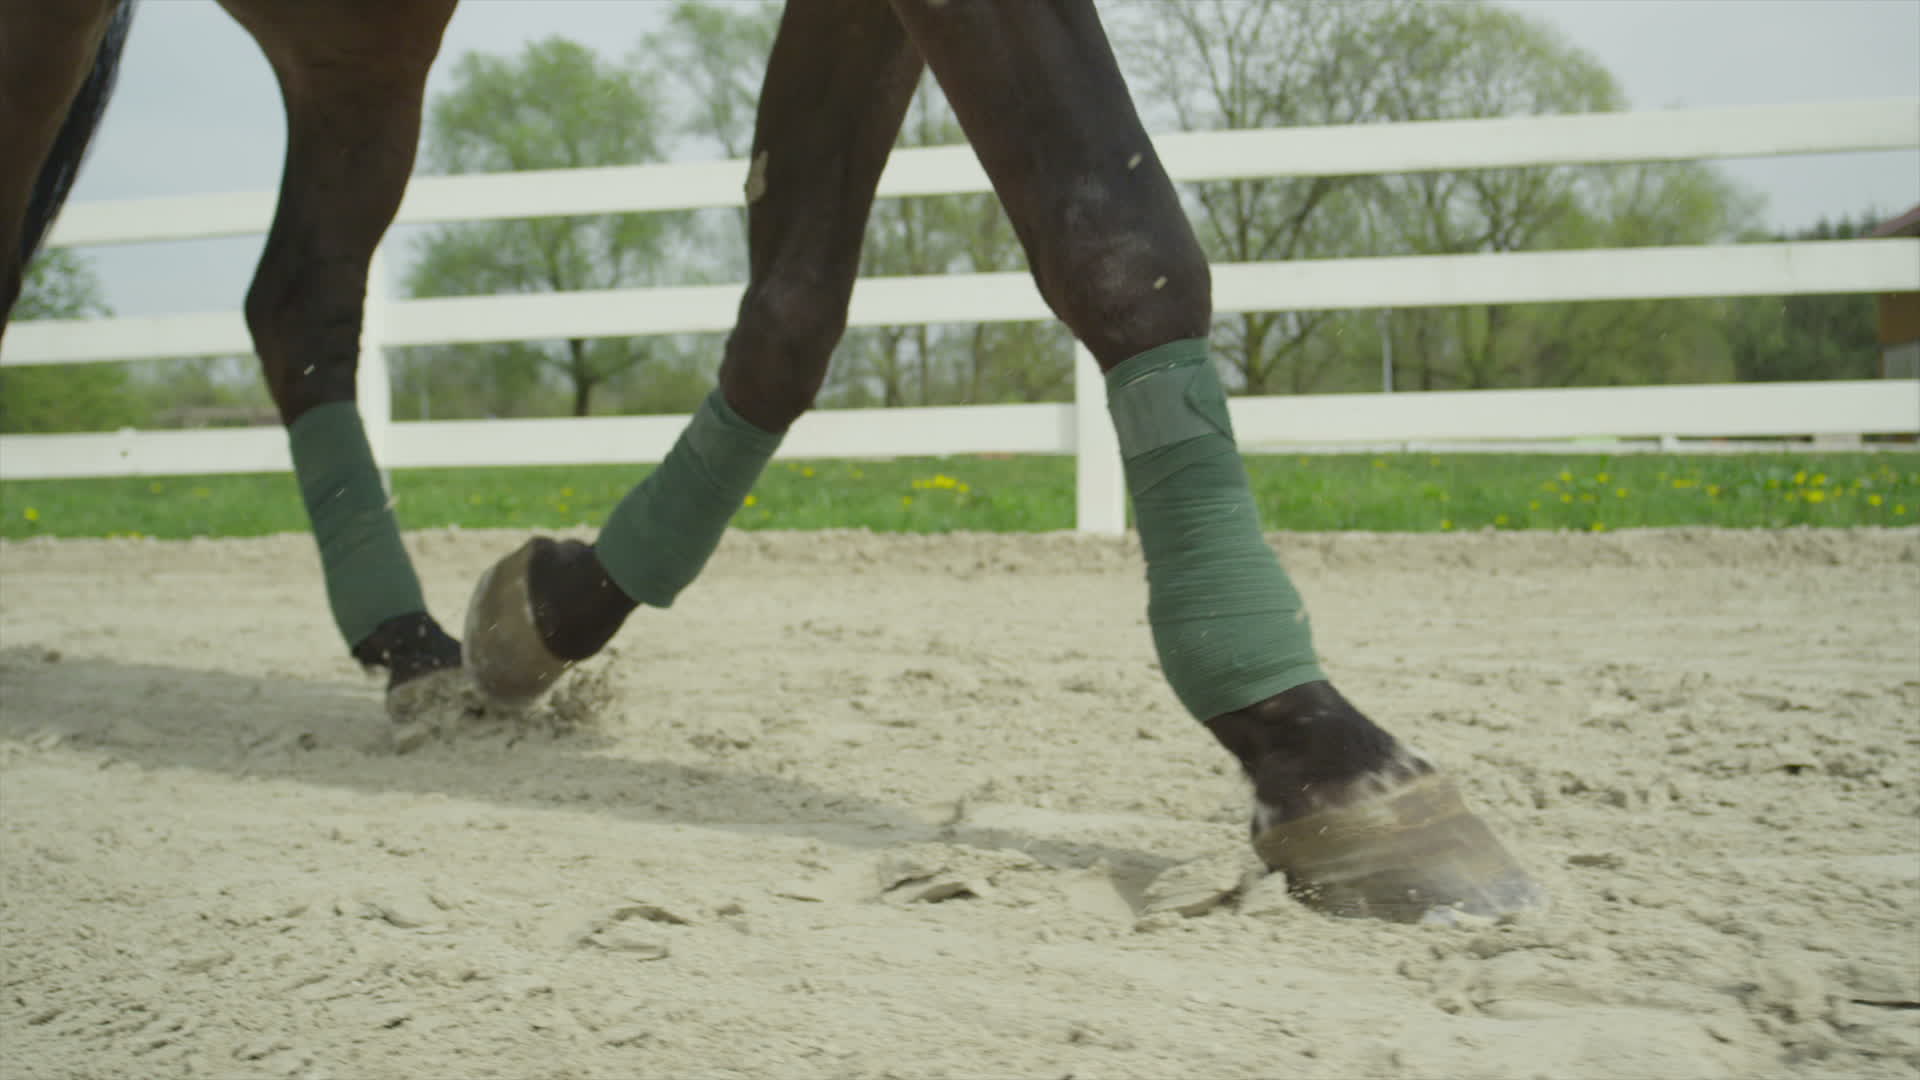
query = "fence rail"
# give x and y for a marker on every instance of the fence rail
(1849, 408)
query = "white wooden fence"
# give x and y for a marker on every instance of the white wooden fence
(1081, 428)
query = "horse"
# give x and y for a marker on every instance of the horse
(1361, 823)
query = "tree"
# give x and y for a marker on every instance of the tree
(719, 55)
(557, 105)
(1207, 65)
(40, 398)
(1253, 63)
(1809, 337)
(927, 365)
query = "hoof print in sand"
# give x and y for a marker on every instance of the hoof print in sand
(933, 873)
(632, 929)
(1199, 886)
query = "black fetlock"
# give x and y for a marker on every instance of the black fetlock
(1306, 748)
(408, 647)
(577, 608)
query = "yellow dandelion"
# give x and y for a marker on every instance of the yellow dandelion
(156, 487)
(1681, 483)
(562, 507)
(30, 514)
(906, 500)
(1800, 477)
(1900, 508)
(201, 493)
(1600, 478)
(1549, 486)
(1597, 527)
(1819, 479)
(1872, 500)
(1499, 519)
(807, 471)
(1534, 505)
(751, 499)
(1566, 477)
(566, 493)
(1619, 493)
(1816, 495)
(474, 500)
(963, 489)
(1445, 524)
(1713, 491)
(1379, 463)
(1566, 496)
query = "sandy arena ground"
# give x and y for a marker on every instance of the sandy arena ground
(920, 807)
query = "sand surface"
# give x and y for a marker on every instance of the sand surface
(921, 807)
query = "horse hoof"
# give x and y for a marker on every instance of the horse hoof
(424, 707)
(1413, 854)
(504, 653)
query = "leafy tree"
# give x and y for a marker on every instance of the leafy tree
(927, 365)
(718, 55)
(557, 105)
(1253, 63)
(1809, 337)
(41, 398)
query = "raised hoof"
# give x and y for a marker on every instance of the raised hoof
(1413, 854)
(504, 653)
(427, 706)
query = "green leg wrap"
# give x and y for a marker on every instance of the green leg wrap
(655, 542)
(1228, 625)
(369, 577)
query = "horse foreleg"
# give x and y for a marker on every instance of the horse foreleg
(351, 75)
(838, 82)
(1361, 824)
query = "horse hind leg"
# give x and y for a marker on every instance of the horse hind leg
(44, 123)
(352, 77)
(1360, 823)
(838, 83)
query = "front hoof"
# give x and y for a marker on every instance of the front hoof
(1412, 854)
(504, 653)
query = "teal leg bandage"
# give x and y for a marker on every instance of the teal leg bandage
(655, 542)
(369, 577)
(1228, 625)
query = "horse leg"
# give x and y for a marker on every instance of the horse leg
(838, 82)
(351, 74)
(44, 127)
(1361, 824)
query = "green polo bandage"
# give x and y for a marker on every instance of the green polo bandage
(655, 542)
(1228, 625)
(369, 578)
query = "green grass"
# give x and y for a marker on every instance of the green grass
(1393, 493)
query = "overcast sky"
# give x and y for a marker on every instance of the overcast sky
(197, 110)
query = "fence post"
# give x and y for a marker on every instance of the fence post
(1100, 489)
(375, 387)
